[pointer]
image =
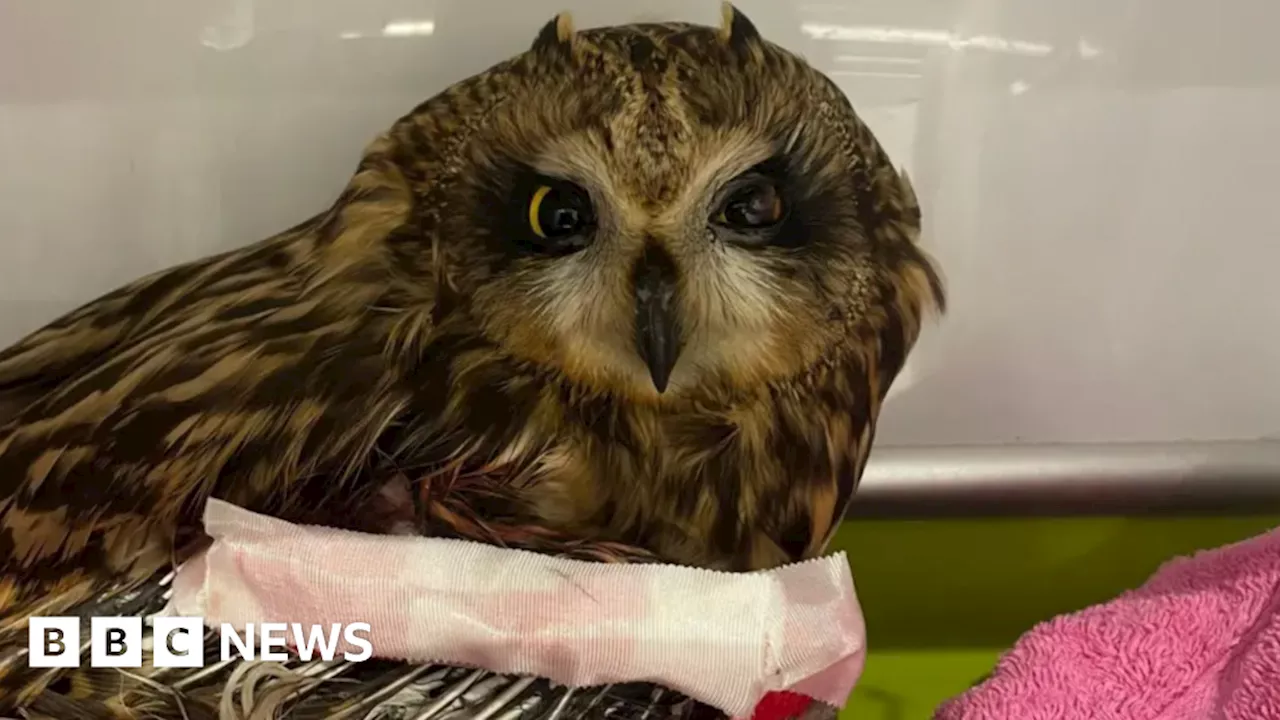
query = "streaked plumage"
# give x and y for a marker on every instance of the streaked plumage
(415, 335)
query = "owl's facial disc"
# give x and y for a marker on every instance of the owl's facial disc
(659, 215)
(658, 333)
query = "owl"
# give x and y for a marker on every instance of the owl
(637, 292)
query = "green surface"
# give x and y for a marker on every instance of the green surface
(944, 598)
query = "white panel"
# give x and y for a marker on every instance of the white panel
(1101, 177)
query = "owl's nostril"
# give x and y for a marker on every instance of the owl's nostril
(658, 332)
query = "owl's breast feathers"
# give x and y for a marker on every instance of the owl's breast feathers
(744, 481)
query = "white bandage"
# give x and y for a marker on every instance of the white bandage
(722, 638)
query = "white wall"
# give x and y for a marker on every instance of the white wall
(1101, 178)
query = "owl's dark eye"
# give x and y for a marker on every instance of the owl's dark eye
(756, 205)
(559, 215)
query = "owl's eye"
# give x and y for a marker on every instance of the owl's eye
(560, 216)
(755, 206)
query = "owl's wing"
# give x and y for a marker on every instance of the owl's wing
(264, 376)
(235, 375)
(64, 348)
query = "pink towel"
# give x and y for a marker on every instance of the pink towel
(1200, 640)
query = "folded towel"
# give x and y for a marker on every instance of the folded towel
(1199, 640)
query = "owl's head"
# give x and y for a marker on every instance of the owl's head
(661, 211)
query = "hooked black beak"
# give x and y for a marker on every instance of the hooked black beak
(658, 336)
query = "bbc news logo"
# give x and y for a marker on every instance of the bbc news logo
(179, 642)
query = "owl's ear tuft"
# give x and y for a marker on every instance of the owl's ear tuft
(556, 37)
(736, 29)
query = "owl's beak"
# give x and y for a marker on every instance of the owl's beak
(658, 335)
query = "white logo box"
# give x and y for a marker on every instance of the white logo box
(54, 642)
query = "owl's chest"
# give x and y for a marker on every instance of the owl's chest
(736, 490)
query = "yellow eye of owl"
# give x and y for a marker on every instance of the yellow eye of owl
(753, 207)
(559, 211)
